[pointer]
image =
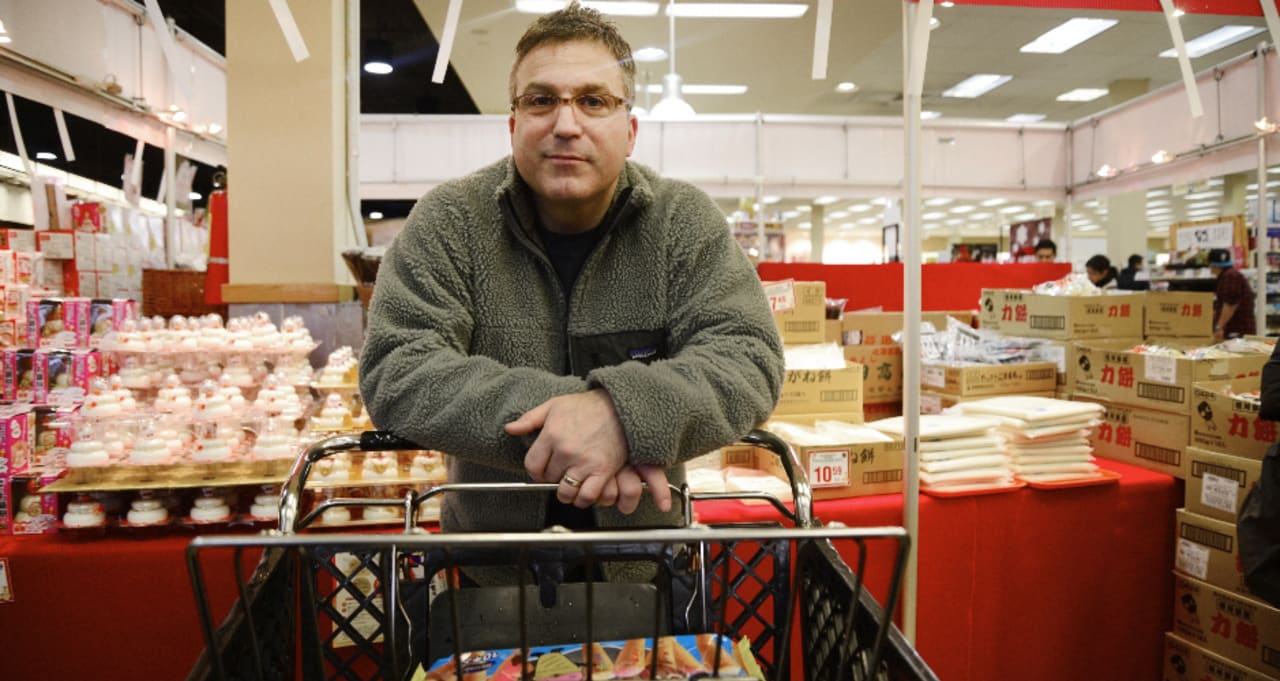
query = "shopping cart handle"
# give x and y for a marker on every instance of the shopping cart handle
(796, 474)
(383, 441)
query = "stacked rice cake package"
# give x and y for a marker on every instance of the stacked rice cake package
(958, 453)
(1047, 440)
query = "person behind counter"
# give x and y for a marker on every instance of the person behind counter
(565, 315)
(1232, 298)
(1128, 279)
(1046, 250)
(1100, 272)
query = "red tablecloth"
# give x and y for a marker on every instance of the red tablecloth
(1069, 584)
(1040, 585)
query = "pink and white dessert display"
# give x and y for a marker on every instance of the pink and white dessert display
(273, 445)
(379, 466)
(381, 513)
(332, 469)
(336, 515)
(295, 336)
(340, 370)
(100, 404)
(84, 512)
(173, 397)
(237, 374)
(150, 451)
(123, 395)
(210, 507)
(129, 338)
(275, 398)
(334, 416)
(133, 375)
(266, 506)
(87, 452)
(146, 510)
(231, 392)
(429, 465)
(212, 404)
(212, 450)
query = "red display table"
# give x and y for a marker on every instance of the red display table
(1039, 585)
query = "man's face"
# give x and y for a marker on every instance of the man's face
(567, 156)
(1045, 255)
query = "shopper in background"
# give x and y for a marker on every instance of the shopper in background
(565, 315)
(1046, 251)
(1128, 279)
(1232, 300)
(1100, 272)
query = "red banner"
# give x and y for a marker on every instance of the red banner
(1224, 7)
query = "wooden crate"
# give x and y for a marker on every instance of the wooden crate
(173, 292)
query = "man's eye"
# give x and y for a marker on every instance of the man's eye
(542, 101)
(592, 102)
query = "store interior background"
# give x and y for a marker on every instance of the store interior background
(864, 79)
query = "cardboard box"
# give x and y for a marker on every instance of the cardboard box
(1185, 661)
(8, 267)
(87, 216)
(1175, 314)
(1065, 355)
(86, 259)
(62, 375)
(877, 328)
(17, 439)
(15, 304)
(58, 323)
(108, 314)
(989, 379)
(881, 370)
(53, 437)
(30, 267)
(1019, 312)
(34, 512)
(845, 470)
(1109, 371)
(799, 309)
(18, 239)
(831, 331)
(12, 333)
(1229, 424)
(19, 374)
(822, 391)
(1146, 438)
(874, 411)
(934, 403)
(1217, 483)
(57, 245)
(1238, 628)
(1208, 549)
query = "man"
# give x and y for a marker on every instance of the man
(565, 315)
(1046, 251)
(1232, 300)
(1128, 279)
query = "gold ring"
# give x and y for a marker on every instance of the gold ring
(570, 481)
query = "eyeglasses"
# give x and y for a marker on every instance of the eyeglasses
(593, 105)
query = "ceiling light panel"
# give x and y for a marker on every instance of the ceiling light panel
(1083, 94)
(930, 115)
(1216, 40)
(976, 85)
(1067, 35)
(649, 54)
(1025, 118)
(614, 7)
(737, 10)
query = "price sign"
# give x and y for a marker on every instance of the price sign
(934, 377)
(1192, 559)
(782, 295)
(1204, 237)
(829, 468)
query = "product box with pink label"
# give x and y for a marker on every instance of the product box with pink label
(58, 323)
(63, 376)
(33, 512)
(16, 439)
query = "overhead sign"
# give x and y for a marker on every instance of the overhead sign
(1206, 236)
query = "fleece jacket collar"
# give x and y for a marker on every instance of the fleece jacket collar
(516, 199)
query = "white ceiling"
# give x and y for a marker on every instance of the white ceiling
(773, 57)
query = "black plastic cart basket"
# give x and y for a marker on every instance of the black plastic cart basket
(371, 606)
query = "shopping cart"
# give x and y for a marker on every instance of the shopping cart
(377, 605)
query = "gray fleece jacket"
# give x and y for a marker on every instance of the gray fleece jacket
(469, 328)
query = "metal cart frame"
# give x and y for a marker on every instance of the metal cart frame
(763, 582)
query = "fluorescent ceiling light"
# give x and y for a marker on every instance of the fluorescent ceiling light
(994, 202)
(649, 54)
(976, 85)
(1088, 228)
(805, 225)
(938, 201)
(1012, 209)
(195, 196)
(614, 7)
(1046, 202)
(1067, 35)
(954, 221)
(46, 156)
(860, 207)
(979, 216)
(1158, 192)
(1025, 216)
(375, 215)
(1083, 94)
(1216, 40)
(767, 200)
(930, 115)
(1216, 182)
(1203, 204)
(825, 200)
(803, 208)
(377, 68)
(868, 221)
(1203, 195)
(935, 215)
(962, 209)
(695, 89)
(838, 215)
(790, 214)
(846, 86)
(735, 10)
(1153, 204)
(1025, 118)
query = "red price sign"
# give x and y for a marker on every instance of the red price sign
(782, 295)
(829, 468)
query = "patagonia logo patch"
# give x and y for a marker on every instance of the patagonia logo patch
(642, 353)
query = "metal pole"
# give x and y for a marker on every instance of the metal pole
(171, 236)
(352, 64)
(1066, 204)
(910, 243)
(1262, 242)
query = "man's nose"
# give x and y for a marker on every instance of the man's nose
(567, 123)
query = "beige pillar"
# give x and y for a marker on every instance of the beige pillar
(1126, 226)
(286, 153)
(817, 231)
(1234, 191)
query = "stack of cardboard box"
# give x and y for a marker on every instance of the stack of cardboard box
(1218, 624)
(867, 339)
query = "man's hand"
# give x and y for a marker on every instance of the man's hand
(582, 447)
